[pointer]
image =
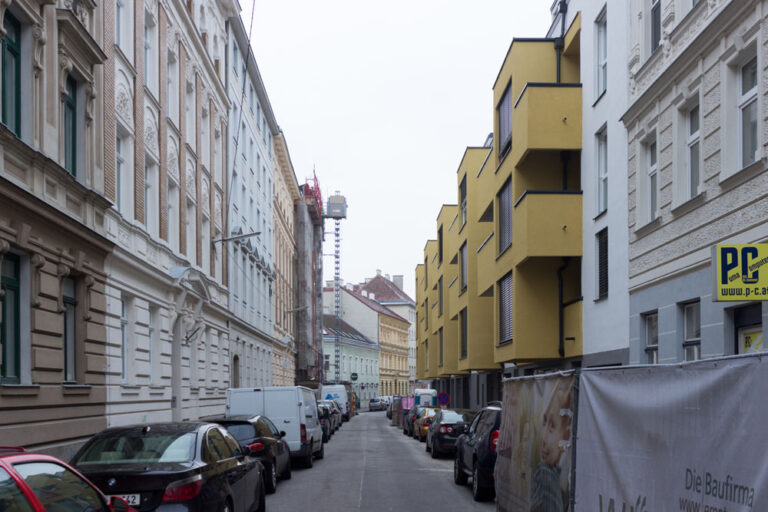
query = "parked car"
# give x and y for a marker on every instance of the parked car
(324, 412)
(179, 466)
(336, 419)
(273, 452)
(476, 453)
(339, 393)
(422, 422)
(292, 408)
(445, 429)
(410, 417)
(35, 482)
(377, 404)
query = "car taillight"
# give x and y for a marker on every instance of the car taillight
(446, 430)
(494, 440)
(183, 490)
(303, 429)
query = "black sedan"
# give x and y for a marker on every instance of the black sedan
(189, 467)
(270, 447)
(446, 427)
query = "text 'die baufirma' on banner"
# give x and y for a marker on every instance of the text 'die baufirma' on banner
(674, 438)
(533, 463)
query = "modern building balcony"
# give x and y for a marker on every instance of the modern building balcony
(546, 117)
(547, 224)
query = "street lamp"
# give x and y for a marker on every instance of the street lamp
(236, 237)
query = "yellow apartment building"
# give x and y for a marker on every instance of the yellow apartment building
(500, 286)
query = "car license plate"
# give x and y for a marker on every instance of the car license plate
(131, 499)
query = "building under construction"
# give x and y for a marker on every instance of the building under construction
(309, 285)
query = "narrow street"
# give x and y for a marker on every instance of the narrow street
(371, 466)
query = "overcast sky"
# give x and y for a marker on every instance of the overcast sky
(382, 98)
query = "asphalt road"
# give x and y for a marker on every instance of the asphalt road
(371, 466)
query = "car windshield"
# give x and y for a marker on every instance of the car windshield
(139, 447)
(457, 417)
(243, 432)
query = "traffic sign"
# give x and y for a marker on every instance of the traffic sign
(443, 398)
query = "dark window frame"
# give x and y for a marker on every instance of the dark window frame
(11, 44)
(504, 198)
(506, 308)
(463, 270)
(70, 314)
(602, 263)
(464, 333)
(10, 284)
(505, 105)
(70, 127)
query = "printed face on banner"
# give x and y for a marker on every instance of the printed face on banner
(533, 466)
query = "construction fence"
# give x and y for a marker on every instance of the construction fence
(682, 437)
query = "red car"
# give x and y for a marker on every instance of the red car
(32, 482)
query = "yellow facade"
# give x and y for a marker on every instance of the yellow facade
(532, 179)
(393, 357)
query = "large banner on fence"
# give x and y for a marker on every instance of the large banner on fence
(674, 438)
(533, 463)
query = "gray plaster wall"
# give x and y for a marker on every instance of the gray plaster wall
(718, 333)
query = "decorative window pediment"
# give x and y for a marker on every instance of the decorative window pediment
(78, 48)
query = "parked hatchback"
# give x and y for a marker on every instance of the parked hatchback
(263, 440)
(446, 427)
(194, 467)
(377, 404)
(34, 482)
(423, 421)
(476, 453)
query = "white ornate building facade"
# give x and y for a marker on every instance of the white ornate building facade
(167, 350)
(697, 166)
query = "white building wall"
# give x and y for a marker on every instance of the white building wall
(605, 322)
(355, 313)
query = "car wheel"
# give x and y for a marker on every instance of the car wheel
(270, 478)
(426, 446)
(479, 492)
(459, 476)
(308, 461)
(325, 437)
(287, 473)
(321, 453)
(405, 431)
(435, 454)
(227, 507)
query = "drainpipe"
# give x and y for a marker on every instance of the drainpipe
(564, 157)
(560, 41)
(561, 307)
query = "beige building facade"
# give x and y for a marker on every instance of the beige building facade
(53, 246)
(286, 193)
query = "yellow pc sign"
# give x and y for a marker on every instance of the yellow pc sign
(741, 272)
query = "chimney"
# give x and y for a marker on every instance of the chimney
(378, 271)
(398, 280)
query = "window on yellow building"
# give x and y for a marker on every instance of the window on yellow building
(504, 113)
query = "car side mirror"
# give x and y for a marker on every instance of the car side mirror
(282, 433)
(118, 504)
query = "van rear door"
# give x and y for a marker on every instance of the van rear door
(245, 401)
(282, 407)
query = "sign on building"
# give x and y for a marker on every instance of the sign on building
(741, 272)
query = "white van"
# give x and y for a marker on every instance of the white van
(293, 410)
(339, 393)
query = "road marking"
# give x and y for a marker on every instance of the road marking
(362, 473)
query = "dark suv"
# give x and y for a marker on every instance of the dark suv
(476, 453)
